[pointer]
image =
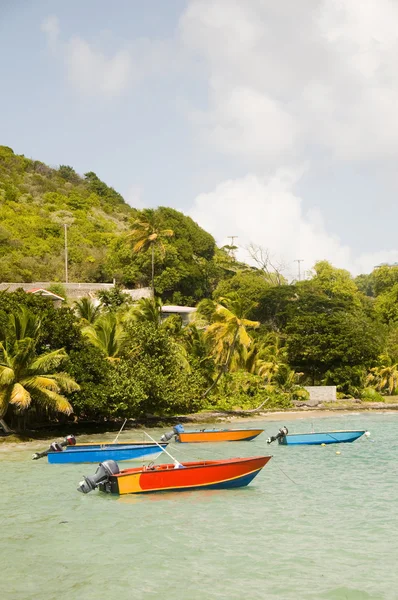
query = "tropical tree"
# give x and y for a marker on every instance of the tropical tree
(87, 310)
(146, 236)
(228, 333)
(107, 334)
(21, 324)
(26, 378)
(385, 376)
(147, 310)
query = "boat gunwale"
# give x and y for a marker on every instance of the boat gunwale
(191, 465)
(196, 431)
(105, 447)
(329, 432)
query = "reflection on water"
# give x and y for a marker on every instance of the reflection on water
(312, 525)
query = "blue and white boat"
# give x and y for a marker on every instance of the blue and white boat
(69, 451)
(285, 438)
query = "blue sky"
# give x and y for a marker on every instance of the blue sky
(273, 122)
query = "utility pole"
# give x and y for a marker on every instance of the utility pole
(298, 261)
(232, 252)
(66, 252)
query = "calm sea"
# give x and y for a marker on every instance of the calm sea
(312, 525)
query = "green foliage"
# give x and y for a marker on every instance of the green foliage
(264, 341)
(384, 278)
(251, 286)
(87, 311)
(59, 289)
(386, 305)
(152, 360)
(68, 173)
(114, 298)
(245, 391)
(369, 394)
(88, 366)
(26, 376)
(328, 330)
(35, 202)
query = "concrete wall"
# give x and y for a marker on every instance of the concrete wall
(76, 291)
(322, 393)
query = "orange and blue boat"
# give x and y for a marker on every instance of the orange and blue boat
(210, 435)
(208, 474)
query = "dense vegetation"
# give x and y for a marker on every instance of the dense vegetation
(255, 337)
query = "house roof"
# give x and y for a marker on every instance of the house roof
(43, 292)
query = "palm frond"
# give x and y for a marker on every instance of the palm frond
(20, 396)
(39, 383)
(7, 376)
(55, 401)
(46, 362)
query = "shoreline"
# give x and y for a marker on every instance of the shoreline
(25, 440)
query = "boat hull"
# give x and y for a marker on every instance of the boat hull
(218, 435)
(316, 439)
(93, 453)
(229, 473)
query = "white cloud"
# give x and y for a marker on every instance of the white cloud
(91, 72)
(298, 74)
(267, 212)
(50, 26)
(287, 82)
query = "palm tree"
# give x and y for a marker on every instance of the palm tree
(147, 236)
(197, 346)
(87, 310)
(26, 378)
(384, 376)
(228, 333)
(20, 325)
(146, 310)
(108, 335)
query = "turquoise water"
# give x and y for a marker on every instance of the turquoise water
(312, 525)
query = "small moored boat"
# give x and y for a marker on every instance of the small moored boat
(315, 438)
(210, 435)
(209, 474)
(68, 451)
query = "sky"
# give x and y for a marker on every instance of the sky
(275, 122)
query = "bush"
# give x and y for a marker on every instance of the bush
(369, 394)
(245, 391)
(59, 289)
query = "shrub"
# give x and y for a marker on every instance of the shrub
(369, 394)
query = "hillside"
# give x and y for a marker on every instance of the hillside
(35, 203)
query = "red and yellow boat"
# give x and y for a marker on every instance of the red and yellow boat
(208, 474)
(211, 435)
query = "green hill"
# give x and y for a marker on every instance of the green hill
(35, 203)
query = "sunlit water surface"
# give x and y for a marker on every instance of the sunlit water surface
(313, 524)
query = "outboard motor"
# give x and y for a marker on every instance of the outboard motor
(105, 470)
(279, 436)
(70, 440)
(176, 430)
